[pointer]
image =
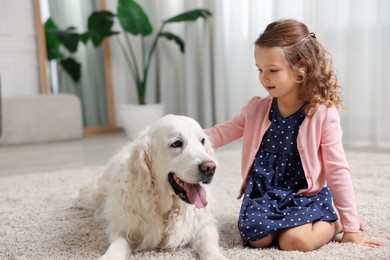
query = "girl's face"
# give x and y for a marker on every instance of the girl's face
(276, 74)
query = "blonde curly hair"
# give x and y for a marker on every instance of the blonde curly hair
(304, 52)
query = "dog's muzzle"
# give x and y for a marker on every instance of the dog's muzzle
(193, 193)
(179, 191)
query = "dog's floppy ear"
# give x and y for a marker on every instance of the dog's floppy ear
(140, 162)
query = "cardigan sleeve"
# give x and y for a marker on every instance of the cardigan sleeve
(230, 130)
(226, 132)
(337, 171)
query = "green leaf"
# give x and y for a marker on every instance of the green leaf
(132, 18)
(72, 67)
(52, 43)
(99, 26)
(84, 37)
(177, 39)
(69, 38)
(101, 21)
(189, 16)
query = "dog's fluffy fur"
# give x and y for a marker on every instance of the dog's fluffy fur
(152, 194)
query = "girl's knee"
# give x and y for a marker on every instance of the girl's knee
(295, 241)
(262, 243)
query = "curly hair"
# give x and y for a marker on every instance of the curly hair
(304, 52)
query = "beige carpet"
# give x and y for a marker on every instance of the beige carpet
(33, 227)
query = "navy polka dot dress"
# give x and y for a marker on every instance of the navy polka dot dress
(271, 202)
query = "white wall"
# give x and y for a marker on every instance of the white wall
(18, 50)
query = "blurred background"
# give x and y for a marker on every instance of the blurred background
(216, 75)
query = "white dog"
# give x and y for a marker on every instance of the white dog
(152, 194)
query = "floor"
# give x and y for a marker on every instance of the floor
(88, 151)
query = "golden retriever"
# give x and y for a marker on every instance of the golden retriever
(152, 195)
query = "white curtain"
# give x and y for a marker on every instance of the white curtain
(217, 75)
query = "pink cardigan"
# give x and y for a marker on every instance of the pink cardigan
(319, 145)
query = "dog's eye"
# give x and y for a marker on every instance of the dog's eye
(203, 141)
(177, 144)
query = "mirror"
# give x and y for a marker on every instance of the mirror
(94, 85)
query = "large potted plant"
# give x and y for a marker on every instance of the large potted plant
(134, 22)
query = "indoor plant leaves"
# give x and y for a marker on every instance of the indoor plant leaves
(72, 67)
(99, 26)
(189, 16)
(133, 19)
(177, 39)
(52, 43)
(69, 38)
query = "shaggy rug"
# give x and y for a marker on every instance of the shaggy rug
(34, 224)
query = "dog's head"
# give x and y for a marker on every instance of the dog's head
(179, 157)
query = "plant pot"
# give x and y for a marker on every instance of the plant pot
(136, 118)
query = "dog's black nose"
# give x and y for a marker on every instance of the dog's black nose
(207, 167)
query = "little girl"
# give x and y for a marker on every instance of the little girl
(293, 163)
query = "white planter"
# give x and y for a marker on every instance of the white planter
(136, 118)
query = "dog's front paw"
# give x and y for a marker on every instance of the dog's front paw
(118, 250)
(216, 257)
(112, 256)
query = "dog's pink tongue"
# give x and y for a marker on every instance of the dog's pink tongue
(196, 195)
